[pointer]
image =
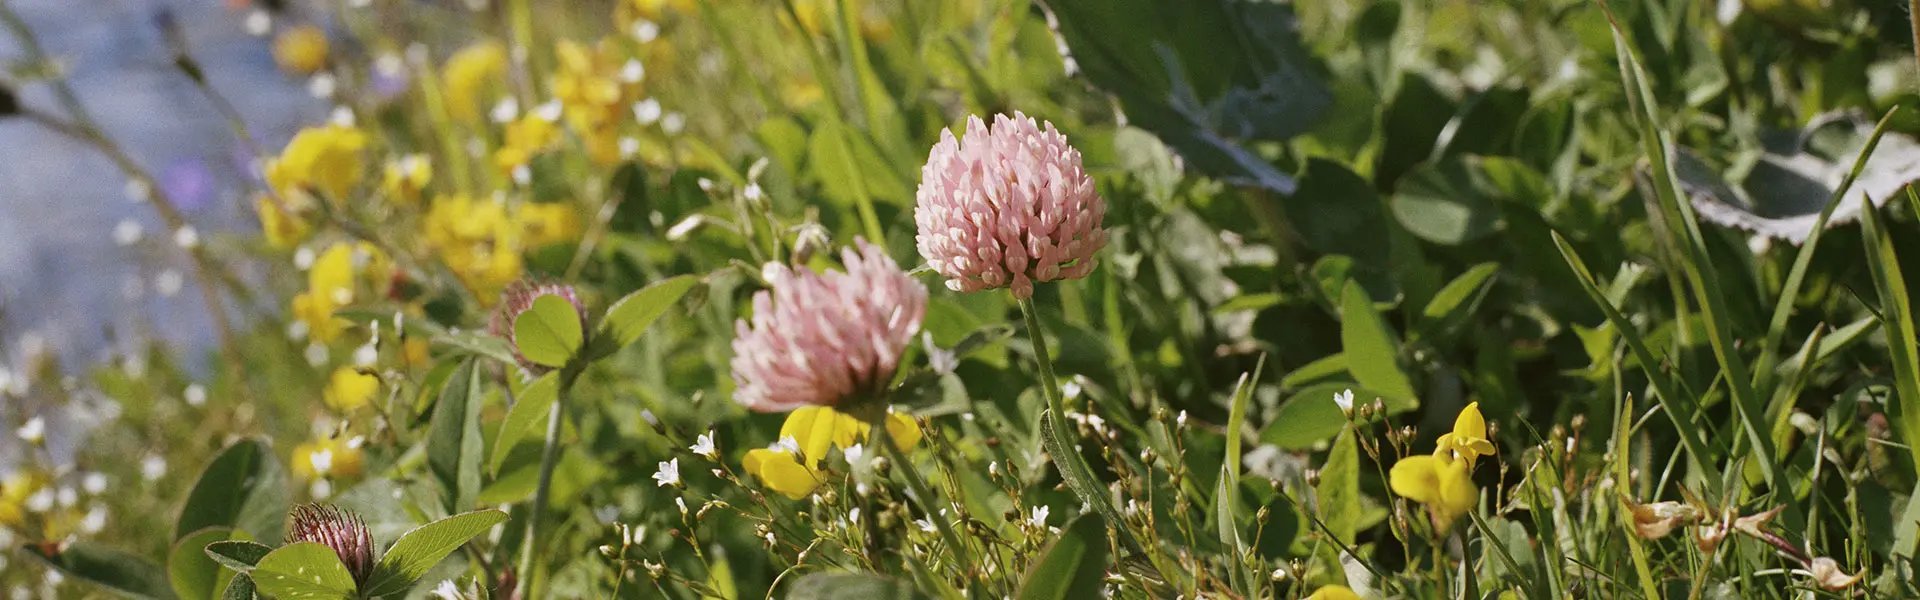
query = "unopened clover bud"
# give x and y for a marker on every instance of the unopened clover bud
(339, 530)
(1262, 514)
(608, 550)
(1313, 477)
(810, 239)
(829, 497)
(515, 302)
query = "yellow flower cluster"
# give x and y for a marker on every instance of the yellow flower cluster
(589, 84)
(14, 492)
(405, 180)
(481, 241)
(320, 159)
(1444, 481)
(348, 389)
(331, 285)
(792, 467)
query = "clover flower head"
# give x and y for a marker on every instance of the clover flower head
(816, 339)
(337, 529)
(1008, 206)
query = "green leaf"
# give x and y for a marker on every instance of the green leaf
(849, 586)
(239, 555)
(478, 343)
(1337, 212)
(303, 571)
(1339, 490)
(242, 488)
(631, 315)
(1310, 416)
(192, 573)
(1440, 203)
(1072, 566)
(419, 550)
(241, 588)
(1227, 493)
(852, 172)
(527, 412)
(549, 332)
(454, 447)
(1207, 77)
(1456, 301)
(114, 569)
(1322, 368)
(1371, 351)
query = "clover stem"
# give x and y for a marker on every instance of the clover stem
(549, 456)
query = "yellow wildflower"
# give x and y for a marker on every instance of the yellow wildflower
(629, 11)
(792, 467)
(470, 72)
(1334, 592)
(1445, 486)
(14, 492)
(301, 50)
(282, 230)
(477, 241)
(327, 159)
(1468, 440)
(328, 458)
(348, 389)
(407, 178)
(543, 223)
(329, 287)
(525, 137)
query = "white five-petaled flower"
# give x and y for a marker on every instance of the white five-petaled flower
(447, 590)
(925, 525)
(1344, 400)
(1039, 518)
(669, 473)
(703, 446)
(854, 453)
(34, 431)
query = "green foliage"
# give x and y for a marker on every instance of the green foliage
(549, 332)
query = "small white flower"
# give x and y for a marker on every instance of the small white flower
(505, 110)
(671, 123)
(322, 461)
(549, 111)
(342, 116)
(169, 282)
(703, 446)
(34, 431)
(321, 86)
(41, 501)
(669, 473)
(1344, 400)
(925, 525)
(1180, 420)
(645, 31)
(629, 147)
(447, 590)
(1071, 389)
(1039, 518)
(127, 233)
(95, 520)
(633, 71)
(153, 467)
(855, 453)
(195, 395)
(647, 111)
(94, 483)
(366, 355)
(853, 515)
(259, 22)
(788, 444)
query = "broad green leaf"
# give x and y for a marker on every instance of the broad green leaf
(419, 550)
(1339, 489)
(1310, 417)
(454, 447)
(239, 555)
(118, 570)
(1207, 77)
(478, 343)
(1337, 212)
(1073, 565)
(241, 588)
(630, 317)
(303, 571)
(1906, 531)
(1371, 351)
(242, 488)
(528, 411)
(837, 586)
(193, 574)
(1440, 203)
(549, 332)
(1327, 366)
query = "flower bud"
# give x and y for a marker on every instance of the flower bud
(337, 529)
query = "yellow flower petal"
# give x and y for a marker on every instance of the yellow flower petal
(301, 50)
(1417, 478)
(781, 472)
(1333, 592)
(348, 389)
(904, 431)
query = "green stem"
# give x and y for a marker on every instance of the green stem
(884, 438)
(549, 456)
(1057, 439)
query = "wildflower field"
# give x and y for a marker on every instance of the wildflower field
(1034, 299)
